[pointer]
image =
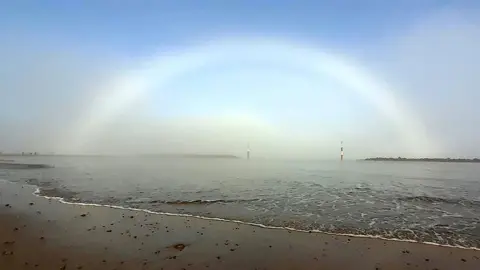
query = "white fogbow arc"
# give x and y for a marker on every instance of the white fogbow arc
(119, 92)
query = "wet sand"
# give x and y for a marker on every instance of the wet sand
(38, 233)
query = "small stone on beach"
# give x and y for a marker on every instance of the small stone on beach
(179, 247)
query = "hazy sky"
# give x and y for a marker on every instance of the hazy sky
(290, 78)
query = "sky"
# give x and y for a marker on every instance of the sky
(287, 79)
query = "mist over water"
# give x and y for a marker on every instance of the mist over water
(431, 202)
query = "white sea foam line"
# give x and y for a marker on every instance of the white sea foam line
(62, 200)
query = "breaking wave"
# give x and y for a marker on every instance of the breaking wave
(201, 202)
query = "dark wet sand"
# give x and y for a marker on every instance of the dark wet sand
(37, 233)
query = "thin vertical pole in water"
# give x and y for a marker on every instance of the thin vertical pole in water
(341, 151)
(248, 151)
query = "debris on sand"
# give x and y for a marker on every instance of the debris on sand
(179, 247)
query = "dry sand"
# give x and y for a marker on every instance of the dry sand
(38, 233)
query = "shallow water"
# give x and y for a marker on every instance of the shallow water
(432, 202)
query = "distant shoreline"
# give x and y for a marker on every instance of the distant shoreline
(12, 165)
(189, 156)
(220, 156)
(452, 160)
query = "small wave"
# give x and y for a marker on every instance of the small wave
(36, 182)
(362, 187)
(201, 202)
(431, 199)
(56, 192)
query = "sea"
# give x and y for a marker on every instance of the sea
(420, 201)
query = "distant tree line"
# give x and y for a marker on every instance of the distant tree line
(473, 160)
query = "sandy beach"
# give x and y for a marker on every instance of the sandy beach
(40, 233)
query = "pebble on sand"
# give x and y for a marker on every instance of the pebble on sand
(179, 247)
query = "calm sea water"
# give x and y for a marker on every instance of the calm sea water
(434, 202)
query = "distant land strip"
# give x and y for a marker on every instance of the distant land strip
(10, 165)
(457, 160)
(100, 155)
(190, 155)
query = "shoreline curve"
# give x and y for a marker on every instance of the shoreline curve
(37, 191)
